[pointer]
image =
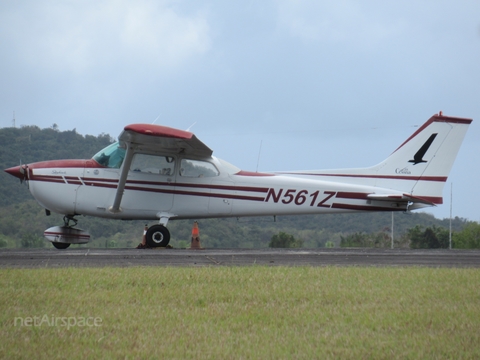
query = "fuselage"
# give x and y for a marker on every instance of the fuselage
(191, 188)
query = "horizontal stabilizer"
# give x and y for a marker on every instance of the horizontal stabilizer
(400, 198)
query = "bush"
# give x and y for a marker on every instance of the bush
(468, 238)
(284, 240)
(432, 238)
(379, 240)
(30, 240)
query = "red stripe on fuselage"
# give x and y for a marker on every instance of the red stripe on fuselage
(70, 235)
(47, 178)
(352, 195)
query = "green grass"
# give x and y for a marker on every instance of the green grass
(243, 312)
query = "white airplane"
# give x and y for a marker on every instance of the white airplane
(159, 173)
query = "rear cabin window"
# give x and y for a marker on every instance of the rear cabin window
(197, 168)
(153, 164)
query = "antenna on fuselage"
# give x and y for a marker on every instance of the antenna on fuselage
(259, 151)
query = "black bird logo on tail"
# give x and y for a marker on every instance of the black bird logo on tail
(418, 157)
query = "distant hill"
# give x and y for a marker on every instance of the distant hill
(21, 216)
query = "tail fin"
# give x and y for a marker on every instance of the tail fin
(420, 166)
(416, 171)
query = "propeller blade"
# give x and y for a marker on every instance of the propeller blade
(22, 171)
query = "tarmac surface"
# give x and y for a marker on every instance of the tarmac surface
(91, 257)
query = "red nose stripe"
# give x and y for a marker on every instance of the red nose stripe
(15, 171)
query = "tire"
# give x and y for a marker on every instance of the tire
(158, 236)
(60, 246)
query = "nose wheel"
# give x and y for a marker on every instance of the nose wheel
(60, 246)
(158, 236)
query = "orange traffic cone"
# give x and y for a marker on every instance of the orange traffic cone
(195, 244)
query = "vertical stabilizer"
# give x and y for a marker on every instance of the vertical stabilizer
(421, 165)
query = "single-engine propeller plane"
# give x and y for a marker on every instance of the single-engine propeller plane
(160, 173)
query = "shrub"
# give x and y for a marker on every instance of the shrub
(468, 238)
(284, 240)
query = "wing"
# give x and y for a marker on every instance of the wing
(138, 137)
(156, 137)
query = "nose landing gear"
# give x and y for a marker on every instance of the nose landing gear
(62, 236)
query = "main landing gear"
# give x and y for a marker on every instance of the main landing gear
(157, 236)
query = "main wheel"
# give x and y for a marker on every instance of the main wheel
(60, 245)
(158, 236)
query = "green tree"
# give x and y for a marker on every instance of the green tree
(30, 240)
(430, 238)
(3, 241)
(284, 240)
(468, 238)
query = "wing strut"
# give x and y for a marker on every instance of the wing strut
(115, 208)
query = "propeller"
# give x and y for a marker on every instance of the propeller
(21, 172)
(23, 169)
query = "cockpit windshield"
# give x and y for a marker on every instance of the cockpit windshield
(112, 156)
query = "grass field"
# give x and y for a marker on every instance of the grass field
(240, 312)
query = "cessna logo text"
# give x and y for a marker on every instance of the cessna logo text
(403, 171)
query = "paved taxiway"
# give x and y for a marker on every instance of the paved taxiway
(84, 257)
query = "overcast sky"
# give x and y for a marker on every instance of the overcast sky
(305, 84)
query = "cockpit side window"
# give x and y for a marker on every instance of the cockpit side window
(197, 168)
(112, 156)
(153, 164)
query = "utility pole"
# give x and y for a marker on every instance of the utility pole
(451, 204)
(392, 229)
(13, 119)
